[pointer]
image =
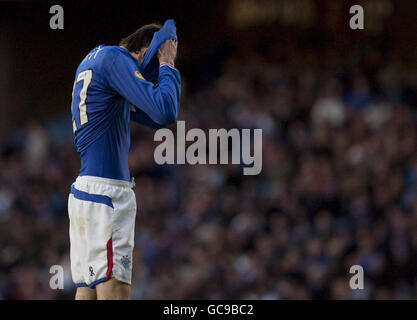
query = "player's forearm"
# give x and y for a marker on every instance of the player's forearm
(142, 118)
(169, 89)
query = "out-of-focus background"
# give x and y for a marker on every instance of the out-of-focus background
(339, 181)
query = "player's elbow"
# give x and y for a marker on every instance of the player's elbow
(170, 113)
(169, 118)
(166, 117)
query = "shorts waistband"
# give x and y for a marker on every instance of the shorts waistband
(119, 183)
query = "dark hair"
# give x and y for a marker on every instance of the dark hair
(141, 38)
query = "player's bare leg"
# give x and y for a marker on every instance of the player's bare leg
(85, 293)
(113, 289)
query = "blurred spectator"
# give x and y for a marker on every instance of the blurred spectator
(36, 147)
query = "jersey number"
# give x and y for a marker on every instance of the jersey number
(85, 76)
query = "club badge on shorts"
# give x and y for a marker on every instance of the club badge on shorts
(125, 261)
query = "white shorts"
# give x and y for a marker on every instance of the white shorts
(102, 216)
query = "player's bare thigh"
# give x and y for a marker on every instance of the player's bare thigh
(113, 289)
(85, 293)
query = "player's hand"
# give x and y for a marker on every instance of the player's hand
(167, 52)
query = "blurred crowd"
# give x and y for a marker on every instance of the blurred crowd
(338, 188)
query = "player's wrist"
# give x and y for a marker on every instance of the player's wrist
(166, 61)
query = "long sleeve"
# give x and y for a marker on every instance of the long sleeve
(159, 102)
(142, 118)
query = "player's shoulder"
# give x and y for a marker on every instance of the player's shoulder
(112, 50)
(103, 59)
(101, 56)
(115, 51)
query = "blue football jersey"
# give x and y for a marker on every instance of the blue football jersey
(108, 92)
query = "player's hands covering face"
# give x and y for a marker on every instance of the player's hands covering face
(167, 52)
